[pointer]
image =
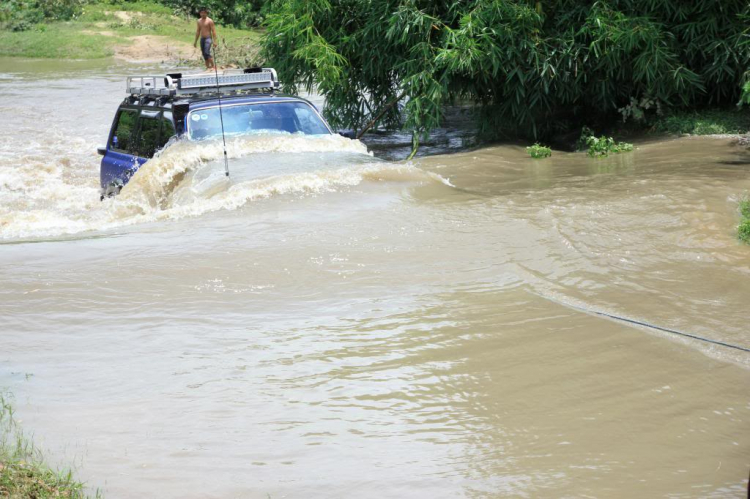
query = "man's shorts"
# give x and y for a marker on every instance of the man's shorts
(206, 47)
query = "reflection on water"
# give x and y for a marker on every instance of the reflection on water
(327, 323)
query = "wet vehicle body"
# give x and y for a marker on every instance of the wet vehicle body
(196, 107)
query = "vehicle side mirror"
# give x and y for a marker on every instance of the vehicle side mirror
(349, 134)
(101, 150)
(115, 141)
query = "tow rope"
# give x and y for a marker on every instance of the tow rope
(660, 328)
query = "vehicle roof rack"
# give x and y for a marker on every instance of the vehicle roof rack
(230, 80)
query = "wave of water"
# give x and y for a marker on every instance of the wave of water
(43, 198)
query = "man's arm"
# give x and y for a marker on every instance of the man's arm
(197, 33)
(213, 32)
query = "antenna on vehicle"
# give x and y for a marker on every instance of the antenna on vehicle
(221, 116)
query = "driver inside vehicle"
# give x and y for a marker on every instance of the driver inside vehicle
(284, 117)
(271, 119)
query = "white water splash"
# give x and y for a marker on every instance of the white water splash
(187, 179)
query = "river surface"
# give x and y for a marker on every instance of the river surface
(326, 323)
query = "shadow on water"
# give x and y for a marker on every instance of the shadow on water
(457, 133)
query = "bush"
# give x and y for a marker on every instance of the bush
(60, 10)
(23, 15)
(709, 122)
(237, 13)
(745, 208)
(743, 230)
(538, 151)
(745, 98)
(19, 16)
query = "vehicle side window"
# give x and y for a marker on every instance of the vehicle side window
(167, 130)
(122, 138)
(149, 138)
(309, 122)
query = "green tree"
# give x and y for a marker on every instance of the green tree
(237, 13)
(21, 15)
(527, 64)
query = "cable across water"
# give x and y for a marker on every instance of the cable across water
(660, 328)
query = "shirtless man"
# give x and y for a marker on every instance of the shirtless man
(207, 32)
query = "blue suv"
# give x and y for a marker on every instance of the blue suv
(159, 108)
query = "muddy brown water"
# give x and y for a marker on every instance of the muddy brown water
(329, 324)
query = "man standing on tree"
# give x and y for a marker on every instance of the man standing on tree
(207, 32)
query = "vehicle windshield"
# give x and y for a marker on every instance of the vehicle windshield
(243, 119)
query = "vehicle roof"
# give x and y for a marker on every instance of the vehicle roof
(210, 101)
(204, 101)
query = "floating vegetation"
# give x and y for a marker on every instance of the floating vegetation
(538, 151)
(604, 146)
(600, 147)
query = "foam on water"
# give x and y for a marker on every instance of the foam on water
(40, 198)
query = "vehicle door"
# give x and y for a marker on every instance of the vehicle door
(155, 128)
(137, 136)
(148, 134)
(120, 160)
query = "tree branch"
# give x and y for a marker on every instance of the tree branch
(380, 115)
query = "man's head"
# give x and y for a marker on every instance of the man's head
(203, 12)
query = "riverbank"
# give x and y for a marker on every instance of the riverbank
(131, 31)
(23, 472)
(734, 121)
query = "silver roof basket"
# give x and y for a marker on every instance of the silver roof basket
(230, 80)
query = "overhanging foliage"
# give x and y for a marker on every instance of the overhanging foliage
(237, 13)
(532, 65)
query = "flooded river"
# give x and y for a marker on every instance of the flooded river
(326, 323)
